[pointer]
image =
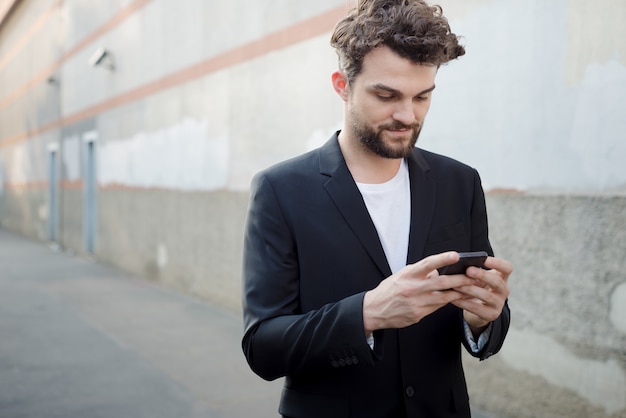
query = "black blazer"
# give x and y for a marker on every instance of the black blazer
(311, 251)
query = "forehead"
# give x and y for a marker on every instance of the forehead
(384, 66)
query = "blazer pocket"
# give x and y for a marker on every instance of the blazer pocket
(448, 238)
(447, 233)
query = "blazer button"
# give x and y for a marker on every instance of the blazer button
(410, 392)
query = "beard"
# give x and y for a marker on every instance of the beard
(373, 139)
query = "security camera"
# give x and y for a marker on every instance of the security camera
(102, 57)
(98, 57)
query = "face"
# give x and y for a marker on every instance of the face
(387, 102)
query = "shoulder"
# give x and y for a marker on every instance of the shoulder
(315, 165)
(294, 168)
(445, 171)
(440, 162)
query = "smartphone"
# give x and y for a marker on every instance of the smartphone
(466, 260)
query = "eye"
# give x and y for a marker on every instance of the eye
(421, 98)
(385, 97)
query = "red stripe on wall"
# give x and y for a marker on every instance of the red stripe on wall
(292, 35)
(43, 184)
(26, 185)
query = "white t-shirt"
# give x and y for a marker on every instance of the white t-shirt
(389, 206)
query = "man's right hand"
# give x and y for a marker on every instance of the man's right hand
(412, 293)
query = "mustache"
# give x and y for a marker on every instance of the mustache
(399, 125)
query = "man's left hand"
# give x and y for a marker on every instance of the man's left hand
(486, 298)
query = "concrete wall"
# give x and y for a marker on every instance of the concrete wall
(565, 354)
(203, 94)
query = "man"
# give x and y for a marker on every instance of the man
(342, 294)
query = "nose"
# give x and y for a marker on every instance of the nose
(405, 113)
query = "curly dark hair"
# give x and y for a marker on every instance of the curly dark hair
(411, 28)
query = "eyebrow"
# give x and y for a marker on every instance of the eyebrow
(384, 87)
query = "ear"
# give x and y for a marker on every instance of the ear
(340, 84)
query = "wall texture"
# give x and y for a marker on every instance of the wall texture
(565, 353)
(194, 97)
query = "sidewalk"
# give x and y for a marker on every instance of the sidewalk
(79, 339)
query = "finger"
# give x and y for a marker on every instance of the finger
(484, 312)
(439, 298)
(484, 278)
(484, 298)
(446, 283)
(426, 265)
(473, 292)
(503, 266)
(492, 279)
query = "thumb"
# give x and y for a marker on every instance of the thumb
(433, 262)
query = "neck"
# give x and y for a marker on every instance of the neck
(364, 165)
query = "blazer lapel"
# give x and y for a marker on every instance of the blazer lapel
(423, 195)
(345, 194)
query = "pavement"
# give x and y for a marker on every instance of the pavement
(80, 339)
